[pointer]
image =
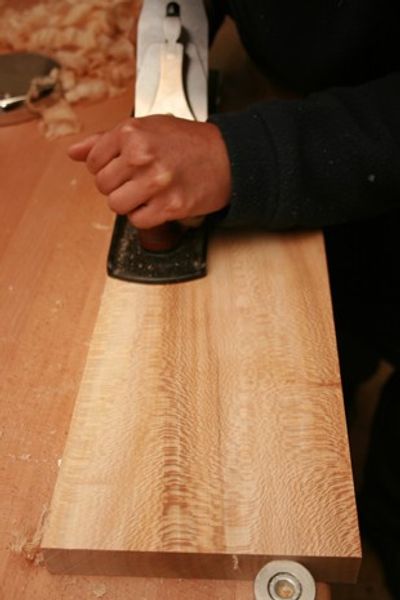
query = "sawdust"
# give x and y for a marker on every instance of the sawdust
(100, 226)
(27, 543)
(25, 457)
(235, 561)
(99, 590)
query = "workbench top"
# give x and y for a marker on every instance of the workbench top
(55, 232)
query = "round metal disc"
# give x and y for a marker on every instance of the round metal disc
(284, 580)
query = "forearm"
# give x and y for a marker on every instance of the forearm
(332, 157)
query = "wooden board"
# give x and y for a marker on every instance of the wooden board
(209, 434)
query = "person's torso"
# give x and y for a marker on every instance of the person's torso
(310, 45)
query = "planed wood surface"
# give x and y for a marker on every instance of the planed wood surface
(209, 432)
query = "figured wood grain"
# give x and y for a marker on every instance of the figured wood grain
(209, 432)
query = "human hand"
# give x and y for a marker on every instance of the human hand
(159, 168)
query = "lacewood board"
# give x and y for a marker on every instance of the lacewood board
(209, 433)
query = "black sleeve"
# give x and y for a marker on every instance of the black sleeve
(216, 12)
(332, 157)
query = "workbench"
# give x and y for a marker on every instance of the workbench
(55, 232)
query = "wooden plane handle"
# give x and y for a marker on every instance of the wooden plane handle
(161, 238)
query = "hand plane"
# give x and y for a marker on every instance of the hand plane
(171, 78)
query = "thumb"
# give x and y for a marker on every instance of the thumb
(80, 150)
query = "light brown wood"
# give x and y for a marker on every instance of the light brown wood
(209, 433)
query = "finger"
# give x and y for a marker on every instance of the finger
(156, 211)
(147, 216)
(103, 151)
(132, 194)
(80, 150)
(114, 175)
(118, 171)
(135, 146)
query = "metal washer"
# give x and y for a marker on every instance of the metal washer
(297, 580)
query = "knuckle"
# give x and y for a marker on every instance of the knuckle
(162, 178)
(175, 202)
(130, 156)
(138, 151)
(162, 175)
(128, 126)
(126, 131)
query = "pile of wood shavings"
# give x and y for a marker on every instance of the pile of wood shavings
(91, 40)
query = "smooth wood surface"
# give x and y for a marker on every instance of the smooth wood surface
(209, 433)
(54, 237)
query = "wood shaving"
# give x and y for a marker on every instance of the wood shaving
(57, 117)
(25, 457)
(28, 544)
(40, 83)
(59, 120)
(235, 561)
(99, 590)
(91, 39)
(100, 226)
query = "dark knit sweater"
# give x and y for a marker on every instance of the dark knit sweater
(332, 157)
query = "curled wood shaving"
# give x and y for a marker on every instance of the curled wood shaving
(59, 120)
(91, 39)
(57, 116)
(40, 83)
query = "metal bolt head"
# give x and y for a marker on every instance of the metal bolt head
(284, 580)
(284, 586)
